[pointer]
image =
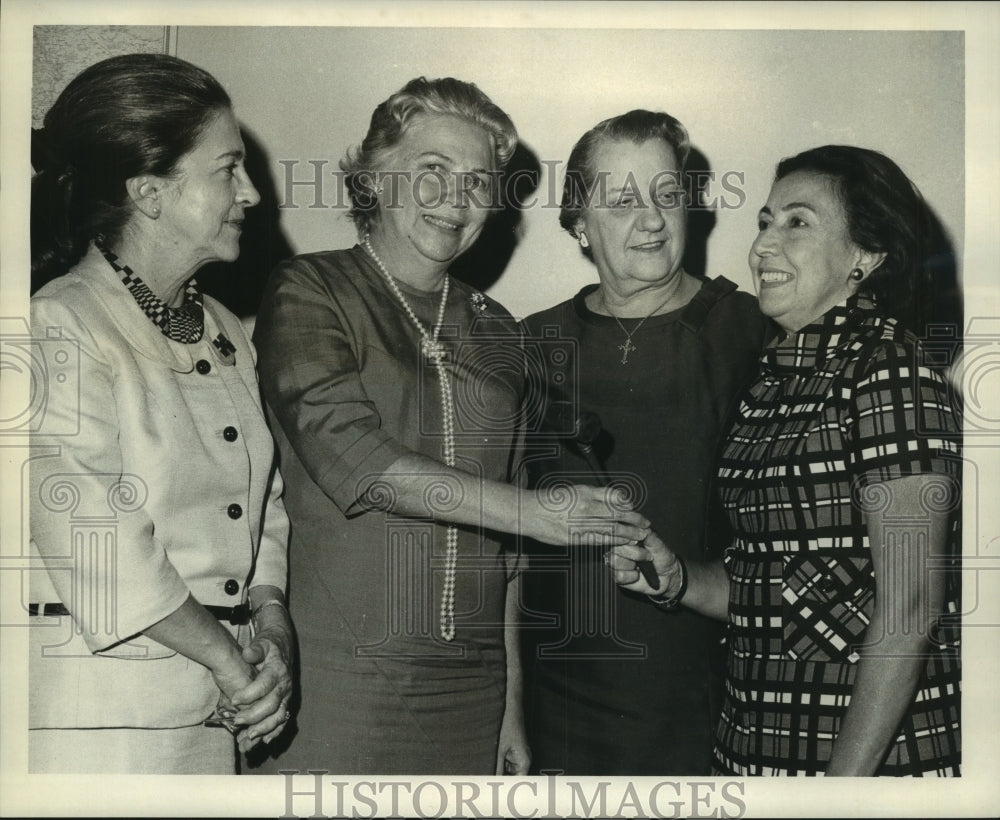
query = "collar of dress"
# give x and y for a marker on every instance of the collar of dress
(811, 347)
(122, 311)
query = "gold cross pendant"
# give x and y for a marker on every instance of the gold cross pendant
(626, 348)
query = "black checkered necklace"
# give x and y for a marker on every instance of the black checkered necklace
(185, 324)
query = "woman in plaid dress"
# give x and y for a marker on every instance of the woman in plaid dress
(841, 479)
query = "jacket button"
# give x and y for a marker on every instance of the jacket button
(231, 587)
(826, 583)
(203, 366)
(230, 434)
(235, 511)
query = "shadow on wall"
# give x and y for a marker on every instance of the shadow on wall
(484, 263)
(701, 216)
(239, 285)
(939, 302)
(939, 309)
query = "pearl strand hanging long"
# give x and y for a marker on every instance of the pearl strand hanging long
(435, 351)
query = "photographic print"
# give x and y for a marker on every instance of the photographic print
(478, 409)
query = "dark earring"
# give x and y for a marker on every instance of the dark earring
(857, 274)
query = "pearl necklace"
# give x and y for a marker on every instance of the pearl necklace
(435, 351)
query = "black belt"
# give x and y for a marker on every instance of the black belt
(48, 610)
(235, 615)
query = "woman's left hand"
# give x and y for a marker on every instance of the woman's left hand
(263, 704)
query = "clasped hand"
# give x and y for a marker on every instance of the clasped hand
(622, 562)
(259, 709)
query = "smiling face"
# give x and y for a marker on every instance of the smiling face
(637, 231)
(803, 256)
(434, 195)
(204, 201)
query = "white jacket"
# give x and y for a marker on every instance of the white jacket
(152, 476)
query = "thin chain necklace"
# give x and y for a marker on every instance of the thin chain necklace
(627, 347)
(435, 351)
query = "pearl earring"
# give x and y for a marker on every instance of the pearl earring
(584, 242)
(857, 274)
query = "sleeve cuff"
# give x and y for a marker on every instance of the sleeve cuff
(168, 600)
(375, 453)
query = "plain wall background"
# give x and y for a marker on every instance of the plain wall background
(748, 98)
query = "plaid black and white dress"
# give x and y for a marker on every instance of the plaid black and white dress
(840, 407)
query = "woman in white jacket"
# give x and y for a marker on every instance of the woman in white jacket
(155, 504)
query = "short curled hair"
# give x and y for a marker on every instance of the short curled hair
(120, 118)
(885, 213)
(636, 126)
(391, 119)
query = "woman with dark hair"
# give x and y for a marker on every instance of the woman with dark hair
(155, 504)
(659, 356)
(396, 393)
(841, 476)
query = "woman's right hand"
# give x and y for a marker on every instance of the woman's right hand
(622, 561)
(573, 513)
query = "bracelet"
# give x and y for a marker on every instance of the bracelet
(264, 605)
(671, 603)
